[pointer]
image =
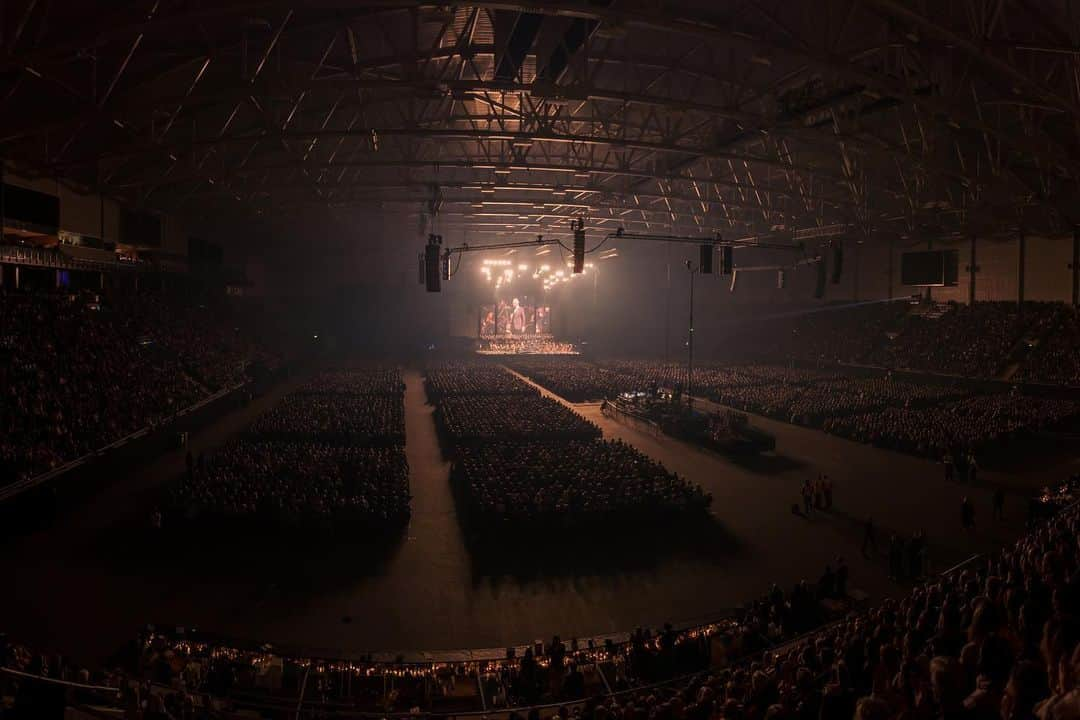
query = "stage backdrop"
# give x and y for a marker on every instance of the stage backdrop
(513, 318)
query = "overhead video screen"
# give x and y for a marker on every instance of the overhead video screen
(510, 317)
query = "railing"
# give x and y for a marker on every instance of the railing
(51, 258)
(61, 683)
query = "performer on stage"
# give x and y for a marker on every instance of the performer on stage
(516, 326)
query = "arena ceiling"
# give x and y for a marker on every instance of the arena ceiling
(890, 118)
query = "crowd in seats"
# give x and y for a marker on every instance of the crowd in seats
(996, 641)
(900, 413)
(335, 419)
(520, 458)
(297, 484)
(980, 340)
(970, 340)
(813, 403)
(80, 371)
(75, 377)
(466, 419)
(575, 380)
(327, 456)
(1055, 358)
(837, 334)
(472, 378)
(840, 397)
(204, 339)
(375, 380)
(570, 484)
(969, 423)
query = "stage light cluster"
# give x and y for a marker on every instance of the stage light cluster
(503, 272)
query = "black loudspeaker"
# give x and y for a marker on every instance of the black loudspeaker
(727, 259)
(819, 287)
(706, 258)
(579, 247)
(432, 264)
(837, 263)
(421, 272)
(781, 279)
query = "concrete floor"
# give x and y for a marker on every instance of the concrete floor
(89, 583)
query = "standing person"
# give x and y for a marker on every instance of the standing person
(999, 504)
(841, 578)
(973, 468)
(896, 554)
(516, 324)
(869, 540)
(967, 514)
(950, 468)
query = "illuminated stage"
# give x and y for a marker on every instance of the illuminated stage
(525, 345)
(518, 328)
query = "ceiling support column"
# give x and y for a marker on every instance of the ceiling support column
(1021, 266)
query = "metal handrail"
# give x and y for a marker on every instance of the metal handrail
(58, 681)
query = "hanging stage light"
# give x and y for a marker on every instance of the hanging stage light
(432, 263)
(727, 260)
(819, 286)
(579, 245)
(706, 258)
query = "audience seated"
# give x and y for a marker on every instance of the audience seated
(468, 419)
(521, 458)
(79, 372)
(1055, 359)
(335, 419)
(75, 378)
(900, 413)
(968, 424)
(971, 340)
(547, 485)
(297, 484)
(373, 380)
(473, 378)
(575, 380)
(327, 456)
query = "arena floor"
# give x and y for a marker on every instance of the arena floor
(92, 580)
